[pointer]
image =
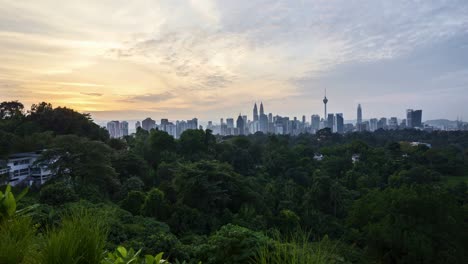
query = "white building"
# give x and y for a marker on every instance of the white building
(21, 168)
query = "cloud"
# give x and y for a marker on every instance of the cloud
(214, 56)
(92, 94)
(153, 98)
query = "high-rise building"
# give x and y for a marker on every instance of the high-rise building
(263, 120)
(339, 123)
(393, 123)
(240, 125)
(417, 118)
(409, 118)
(123, 128)
(255, 113)
(382, 124)
(114, 129)
(359, 114)
(413, 118)
(315, 122)
(137, 125)
(192, 124)
(148, 124)
(331, 122)
(373, 124)
(230, 122)
(303, 120)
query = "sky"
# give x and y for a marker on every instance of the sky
(128, 60)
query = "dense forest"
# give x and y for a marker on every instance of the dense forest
(323, 198)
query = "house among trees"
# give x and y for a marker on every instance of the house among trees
(21, 168)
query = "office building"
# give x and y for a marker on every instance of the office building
(148, 124)
(339, 123)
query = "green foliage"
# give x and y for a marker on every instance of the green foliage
(155, 205)
(195, 197)
(409, 225)
(124, 256)
(134, 202)
(80, 238)
(231, 244)
(8, 203)
(57, 193)
(298, 250)
(17, 240)
(85, 161)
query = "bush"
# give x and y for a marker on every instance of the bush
(80, 239)
(17, 240)
(232, 244)
(57, 193)
(134, 202)
(298, 250)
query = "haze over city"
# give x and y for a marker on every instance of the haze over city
(212, 59)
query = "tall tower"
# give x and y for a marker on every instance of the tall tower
(359, 114)
(325, 101)
(261, 109)
(255, 113)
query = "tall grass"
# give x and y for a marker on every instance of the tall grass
(17, 240)
(297, 249)
(80, 239)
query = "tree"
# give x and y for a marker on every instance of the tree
(419, 224)
(211, 186)
(57, 193)
(134, 202)
(155, 205)
(83, 160)
(232, 244)
(12, 109)
(197, 144)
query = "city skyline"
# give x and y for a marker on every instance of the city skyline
(273, 123)
(128, 60)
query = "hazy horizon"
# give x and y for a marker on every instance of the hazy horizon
(211, 59)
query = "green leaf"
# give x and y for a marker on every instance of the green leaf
(158, 258)
(149, 259)
(122, 251)
(22, 194)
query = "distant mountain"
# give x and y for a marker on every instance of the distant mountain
(441, 123)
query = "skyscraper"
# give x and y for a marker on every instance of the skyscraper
(417, 118)
(255, 113)
(359, 126)
(230, 122)
(331, 122)
(148, 124)
(114, 129)
(137, 125)
(240, 125)
(315, 122)
(373, 124)
(359, 114)
(263, 120)
(123, 128)
(339, 123)
(409, 118)
(413, 118)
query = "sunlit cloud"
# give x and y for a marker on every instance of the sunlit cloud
(215, 58)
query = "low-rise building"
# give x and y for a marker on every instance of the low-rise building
(21, 168)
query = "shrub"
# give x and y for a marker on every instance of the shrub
(80, 239)
(57, 193)
(17, 240)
